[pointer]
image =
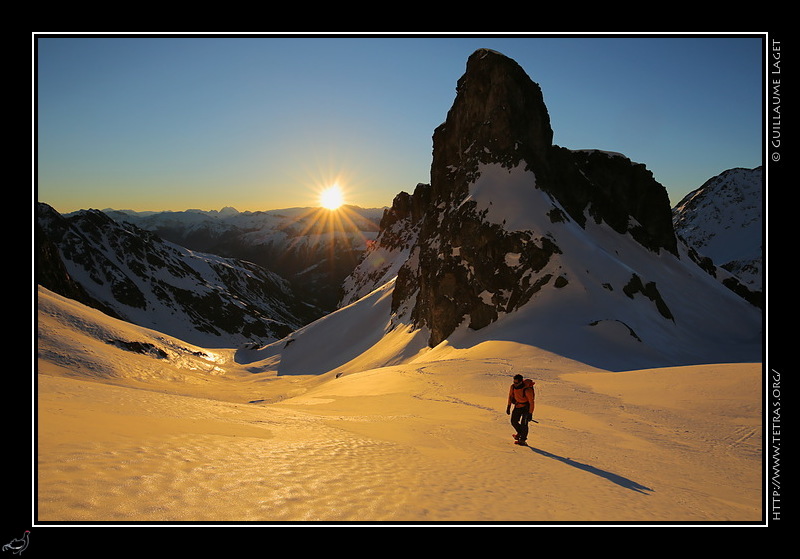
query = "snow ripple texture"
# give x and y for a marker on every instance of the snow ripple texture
(244, 469)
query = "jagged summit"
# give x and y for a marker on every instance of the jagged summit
(480, 243)
(577, 245)
(498, 116)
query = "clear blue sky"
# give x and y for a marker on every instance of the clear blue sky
(161, 123)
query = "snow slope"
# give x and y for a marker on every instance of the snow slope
(591, 318)
(591, 323)
(175, 432)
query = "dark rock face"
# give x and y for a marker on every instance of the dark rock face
(464, 272)
(612, 189)
(466, 267)
(498, 116)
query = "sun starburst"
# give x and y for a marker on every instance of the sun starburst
(331, 198)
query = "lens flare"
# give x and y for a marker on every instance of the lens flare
(331, 198)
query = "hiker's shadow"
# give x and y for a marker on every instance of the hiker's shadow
(615, 478)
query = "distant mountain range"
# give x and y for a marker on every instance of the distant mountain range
(314, 249)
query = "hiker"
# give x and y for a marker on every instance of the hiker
(522, 396)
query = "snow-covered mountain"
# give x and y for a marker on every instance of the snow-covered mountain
(573, 251)
(312, 248)
(132, 274)
(722, 220)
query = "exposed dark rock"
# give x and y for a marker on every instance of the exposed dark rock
(498, 116)
(143, 348)
(650, 291)
(630, 330)
(462, 266)
(612, 189)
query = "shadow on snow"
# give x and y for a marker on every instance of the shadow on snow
(615, 478)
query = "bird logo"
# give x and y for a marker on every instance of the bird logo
(18, 545)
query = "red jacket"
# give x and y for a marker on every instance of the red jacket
(522, 394)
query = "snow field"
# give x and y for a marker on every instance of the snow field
(422, 440)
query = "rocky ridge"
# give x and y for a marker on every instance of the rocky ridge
(134, 275)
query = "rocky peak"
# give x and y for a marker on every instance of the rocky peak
(610, 188)
(469, 261)
(498, 116)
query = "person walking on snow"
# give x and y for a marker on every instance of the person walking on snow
(522, 396)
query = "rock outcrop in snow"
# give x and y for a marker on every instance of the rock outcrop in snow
(578, 242)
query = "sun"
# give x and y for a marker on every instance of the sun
(331, 198)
